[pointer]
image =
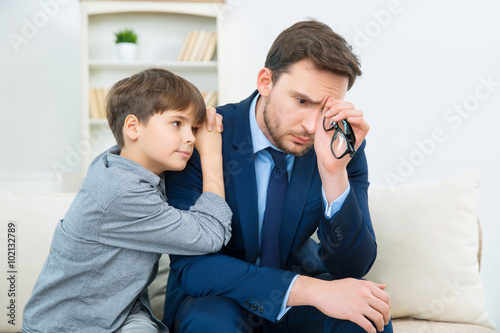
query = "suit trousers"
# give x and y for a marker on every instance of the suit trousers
(219, 314)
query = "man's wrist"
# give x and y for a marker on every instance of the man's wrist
(300, 294)
(334, 183)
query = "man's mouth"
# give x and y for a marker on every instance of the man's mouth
(303, 140)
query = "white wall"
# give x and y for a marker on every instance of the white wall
(40, 97)
(421, 61)
(418, 62)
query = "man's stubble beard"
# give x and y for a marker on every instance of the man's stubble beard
(278, 135)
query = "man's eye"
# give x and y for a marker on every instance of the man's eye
(301, 101)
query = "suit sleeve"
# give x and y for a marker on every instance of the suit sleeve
(218, 274)
(347, 240)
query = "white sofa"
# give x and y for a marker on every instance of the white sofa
(427, 234)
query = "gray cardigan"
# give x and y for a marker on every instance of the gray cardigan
(105, 251)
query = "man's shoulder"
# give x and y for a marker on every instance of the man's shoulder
(228, 111)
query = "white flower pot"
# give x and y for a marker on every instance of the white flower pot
(126, 51)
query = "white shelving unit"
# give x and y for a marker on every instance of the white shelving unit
(161, 28)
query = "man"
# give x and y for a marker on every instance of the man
(271, 277)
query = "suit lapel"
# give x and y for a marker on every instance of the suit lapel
(298, 189)
(244, 179)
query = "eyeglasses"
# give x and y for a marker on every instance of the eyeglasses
(343, 140)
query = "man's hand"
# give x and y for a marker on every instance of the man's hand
(333, 171)
(338, 110)
(355, 300)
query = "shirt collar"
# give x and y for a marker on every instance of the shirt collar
(113, 158)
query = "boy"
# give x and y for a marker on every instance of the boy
(105, 251)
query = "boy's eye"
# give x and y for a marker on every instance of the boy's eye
(176, 123)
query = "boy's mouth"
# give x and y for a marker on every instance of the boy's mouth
(185, 153)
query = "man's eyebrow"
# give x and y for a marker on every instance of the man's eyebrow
(307, 98)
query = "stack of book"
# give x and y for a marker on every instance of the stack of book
(198, 46)
(97, 98)
(210, 98)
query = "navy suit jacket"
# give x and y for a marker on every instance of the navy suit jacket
(347, 243)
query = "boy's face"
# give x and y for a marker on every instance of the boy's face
(166, 142)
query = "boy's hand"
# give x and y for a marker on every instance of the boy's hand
(209, 146)
(209, 142)
(214, 120)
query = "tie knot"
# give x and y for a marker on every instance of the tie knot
(279, 158)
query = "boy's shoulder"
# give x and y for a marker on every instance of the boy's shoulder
(110, 176)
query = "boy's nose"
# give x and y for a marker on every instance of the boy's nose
(189, 137)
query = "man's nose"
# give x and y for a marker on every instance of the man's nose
(310, 122)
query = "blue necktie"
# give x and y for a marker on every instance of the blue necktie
(275, 203)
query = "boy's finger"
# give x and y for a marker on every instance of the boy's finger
(218, 123)
(210, 119)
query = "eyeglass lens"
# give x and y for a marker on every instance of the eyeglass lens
(339, 143)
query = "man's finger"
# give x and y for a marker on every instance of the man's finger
(364, 324)
(344, 114)
(336, 107)
(382, 308)
(381, 295)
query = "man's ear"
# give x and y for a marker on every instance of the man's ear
(265, 81)
(130, 127)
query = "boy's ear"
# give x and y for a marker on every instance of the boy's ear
(265, 81)
(130, 127)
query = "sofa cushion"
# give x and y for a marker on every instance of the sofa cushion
(428, 243)
(158, 287)
(425, 326)
(27, 222)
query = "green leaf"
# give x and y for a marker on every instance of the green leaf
(126, 36)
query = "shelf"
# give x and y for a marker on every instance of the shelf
(138, 65)
(162, 27)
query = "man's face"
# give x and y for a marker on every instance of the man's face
(293, 104)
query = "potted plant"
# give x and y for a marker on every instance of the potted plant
(126, 44)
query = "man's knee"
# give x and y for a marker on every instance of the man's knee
(211, 314)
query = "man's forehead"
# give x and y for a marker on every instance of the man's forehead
(318, 91)
(316, 84)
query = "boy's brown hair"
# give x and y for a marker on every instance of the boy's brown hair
(149, 92)
(317, 42)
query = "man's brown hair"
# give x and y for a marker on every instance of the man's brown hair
(149, 92)
(317, 42)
